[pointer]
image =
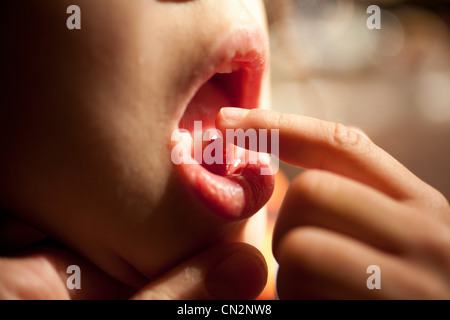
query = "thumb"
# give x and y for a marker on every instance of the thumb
(228, 271)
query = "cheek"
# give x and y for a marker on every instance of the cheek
(85, 114)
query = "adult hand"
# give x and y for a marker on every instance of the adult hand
(226, 271)
(357, 207)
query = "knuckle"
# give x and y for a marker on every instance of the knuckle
(303, 238)
(345, 138)
(278, 120)
(439, 202)
(311, 183)
(434, 242)
(432, 201)
(306, 179)
(300, 203)
(43, 280)
(33, 279)
(299, 241)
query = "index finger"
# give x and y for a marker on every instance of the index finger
(316, 144)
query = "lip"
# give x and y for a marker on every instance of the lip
(243, 191)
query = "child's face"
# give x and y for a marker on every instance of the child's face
(87, 118)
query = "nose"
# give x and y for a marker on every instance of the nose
(257, 11)
(243, 12)
(221, 16)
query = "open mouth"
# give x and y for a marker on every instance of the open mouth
(234, 188)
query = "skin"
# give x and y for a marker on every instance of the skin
(225, 271)
(355, 207)
(86, 120)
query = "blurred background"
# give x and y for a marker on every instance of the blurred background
(393, 83)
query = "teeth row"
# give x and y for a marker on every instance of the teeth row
(229, 68)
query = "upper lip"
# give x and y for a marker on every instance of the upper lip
(245, 49)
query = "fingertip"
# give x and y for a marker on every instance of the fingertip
(233, 114)
(242, 275)
(229, 117)
(231, 271)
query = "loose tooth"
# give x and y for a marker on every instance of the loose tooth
(229, 68)
(226, 69)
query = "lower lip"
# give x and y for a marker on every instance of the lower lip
(239, 194)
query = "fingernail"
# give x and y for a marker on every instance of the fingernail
(234, 114)
(240, 276)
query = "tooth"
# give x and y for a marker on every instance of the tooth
(209, 137)
(229, 68)
(225, 69)
(237, 163)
